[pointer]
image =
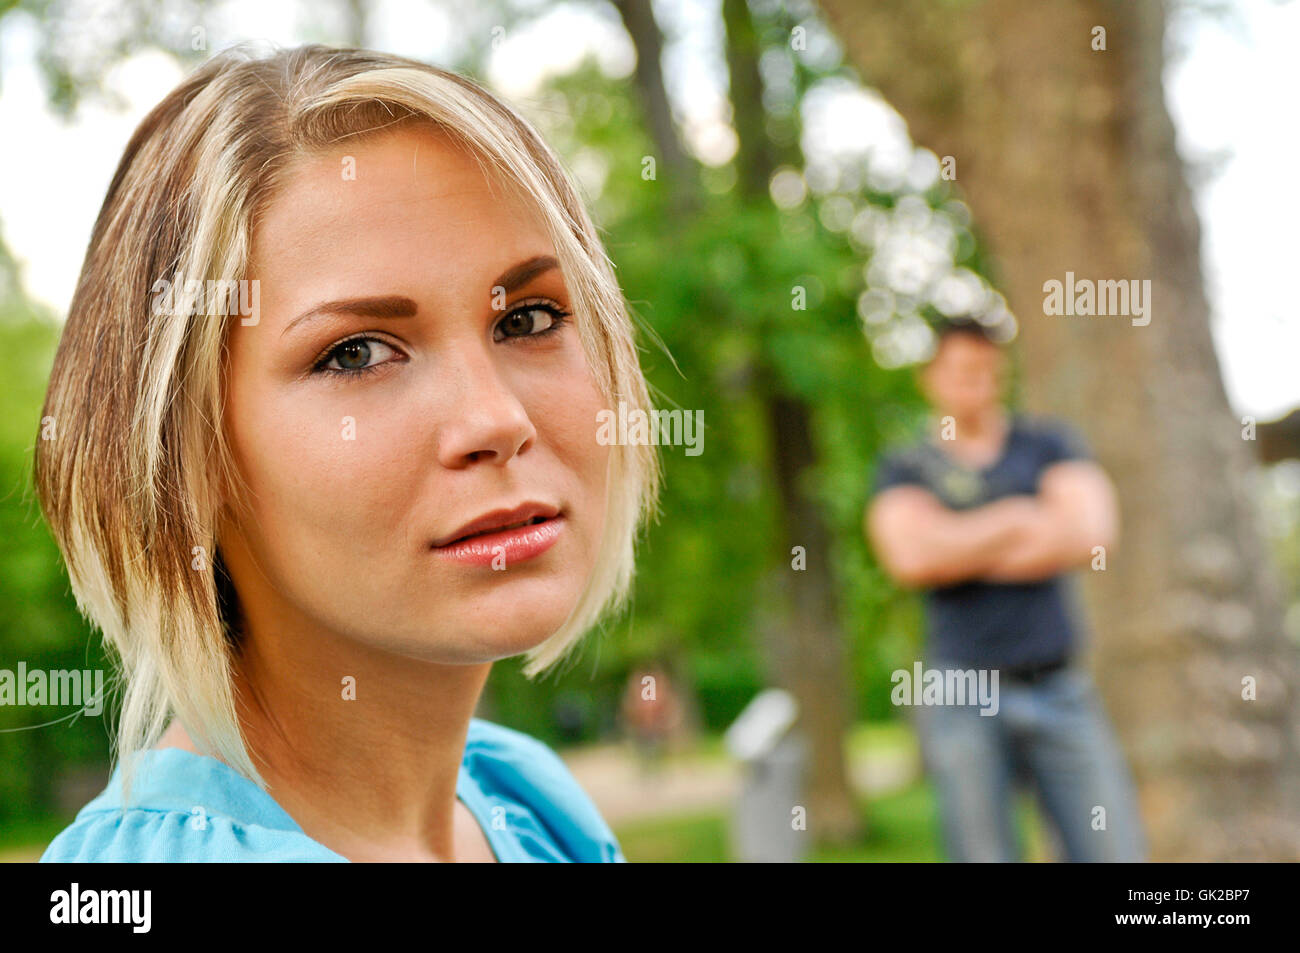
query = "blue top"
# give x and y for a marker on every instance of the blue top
(988, 624)
(188, 807)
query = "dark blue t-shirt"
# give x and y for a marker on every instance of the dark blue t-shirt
(987, 624)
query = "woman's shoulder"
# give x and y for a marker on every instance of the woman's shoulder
(184, 807)
(530, 790)
(141, 835)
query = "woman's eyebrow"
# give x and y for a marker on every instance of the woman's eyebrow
(396, 306)
(524, 272)
(384, 306)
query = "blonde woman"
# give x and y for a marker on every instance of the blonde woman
(324, 449)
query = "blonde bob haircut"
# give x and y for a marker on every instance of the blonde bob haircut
(136, 472)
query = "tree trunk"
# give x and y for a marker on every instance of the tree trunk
(1066, 156)
(1279, 439)
(808, 657)
(678, 166)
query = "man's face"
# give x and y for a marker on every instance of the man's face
(964, 379)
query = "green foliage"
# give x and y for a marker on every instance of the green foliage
(40, 625)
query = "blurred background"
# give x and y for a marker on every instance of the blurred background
(792, 192)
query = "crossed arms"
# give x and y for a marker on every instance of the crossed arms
(921, 543)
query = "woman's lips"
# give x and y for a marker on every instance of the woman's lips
(505, 547)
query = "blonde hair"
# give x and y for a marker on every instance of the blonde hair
(131, 482)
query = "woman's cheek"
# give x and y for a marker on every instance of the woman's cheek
(313, 468)
(590, 458)
(575, 432)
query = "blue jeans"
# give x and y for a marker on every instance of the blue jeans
(1051, 733)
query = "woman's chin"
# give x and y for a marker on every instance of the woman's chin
(495, 632)
(512, 633)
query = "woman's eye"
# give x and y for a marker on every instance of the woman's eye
(528, 321)
(356, 355)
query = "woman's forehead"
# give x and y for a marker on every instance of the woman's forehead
(361, 182)
(400, 205)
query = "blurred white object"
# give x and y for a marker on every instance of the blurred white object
(762, 724)
(769, 823)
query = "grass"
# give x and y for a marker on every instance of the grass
(26, 840)
(902, 828)
(864, 739)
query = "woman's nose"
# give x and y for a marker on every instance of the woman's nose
(485, 421)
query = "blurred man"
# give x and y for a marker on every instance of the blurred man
(986, 517)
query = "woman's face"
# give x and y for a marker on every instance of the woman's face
(415, 377)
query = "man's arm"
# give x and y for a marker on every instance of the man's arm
(1077, 511)
(922, 543)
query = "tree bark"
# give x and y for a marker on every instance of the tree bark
(1067, 158)
(1279, 439)
(679, 167)
(808, 657)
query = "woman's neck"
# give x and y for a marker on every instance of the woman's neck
(360, 746)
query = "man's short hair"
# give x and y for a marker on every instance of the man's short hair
(963, 325)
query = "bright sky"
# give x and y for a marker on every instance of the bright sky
(1228, 95)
